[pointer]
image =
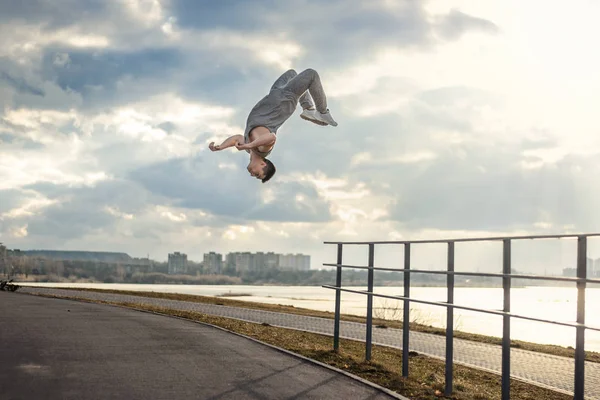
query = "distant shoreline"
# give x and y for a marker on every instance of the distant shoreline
(352, 284)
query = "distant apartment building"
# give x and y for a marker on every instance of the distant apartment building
(213, 263)
(263, 261)
(230, 260)
(271, 260)
(177, 263)
(260, 261)
(592, 269)
(246, 261)
(294, 262)
(241, 261)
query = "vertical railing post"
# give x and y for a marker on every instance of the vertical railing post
(450, 321)
(580, 330)
(338, 300)
(406, 317)
(370, 302)
(506, 285)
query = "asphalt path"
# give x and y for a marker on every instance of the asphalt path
(63, 349)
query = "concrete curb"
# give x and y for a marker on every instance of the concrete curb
(282, 350)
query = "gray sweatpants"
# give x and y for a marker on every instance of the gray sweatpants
(306, 85)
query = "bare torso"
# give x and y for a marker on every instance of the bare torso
(257, 133)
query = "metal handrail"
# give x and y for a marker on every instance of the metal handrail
(484, 239)
(466, 273)
(466, 308)
(507, 276)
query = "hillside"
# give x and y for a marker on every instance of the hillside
(104, 256)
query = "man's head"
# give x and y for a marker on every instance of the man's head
(261, 168)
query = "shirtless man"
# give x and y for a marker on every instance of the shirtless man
(272, 111)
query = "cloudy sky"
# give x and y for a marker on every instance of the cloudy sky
(456, 118)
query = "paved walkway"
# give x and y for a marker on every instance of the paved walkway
(546, 370)
(59, 349)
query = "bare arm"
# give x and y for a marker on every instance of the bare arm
(264, 140)
(229, 142)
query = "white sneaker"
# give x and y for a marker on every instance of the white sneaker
(318, 118)
(326, 117)
(310, 115)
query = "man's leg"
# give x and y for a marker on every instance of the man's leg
(309, 81)
(284, 78)
(305, 100)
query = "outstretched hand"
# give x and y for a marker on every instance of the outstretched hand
(214, 147)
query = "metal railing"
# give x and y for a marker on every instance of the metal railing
(580, 280)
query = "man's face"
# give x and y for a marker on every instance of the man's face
(256, 169)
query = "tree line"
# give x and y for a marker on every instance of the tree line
(40, 269)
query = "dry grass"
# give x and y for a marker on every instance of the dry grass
(540, 348)
(426, 377)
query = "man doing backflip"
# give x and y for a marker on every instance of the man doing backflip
(272, 111)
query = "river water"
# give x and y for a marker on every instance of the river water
(552, 303)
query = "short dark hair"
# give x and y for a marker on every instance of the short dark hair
(269, 170)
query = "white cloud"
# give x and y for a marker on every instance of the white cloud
(238, 232)
(165, 107)
(82, 41)
(117, 213)
(360, 158)
(24, 43)
(366, 158)
(176, 218)
(43, 166)
(31, 207)
(532, 89)
(149, 12)
(169, 29)
(18, 232)
(281, 51)
(41, 125)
